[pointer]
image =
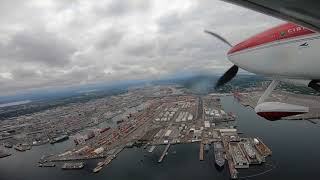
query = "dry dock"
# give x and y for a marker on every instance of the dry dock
(164, 153)
(232, 169)
(238, 156)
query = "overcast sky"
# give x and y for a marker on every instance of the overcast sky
(57, 43)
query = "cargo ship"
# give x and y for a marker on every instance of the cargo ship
(102, 163)
(249, 150)
(97, 169)
(218, 153)
(22, 147)
(78, 165)
(46, 165)
(59, 139)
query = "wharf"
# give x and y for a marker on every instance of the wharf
(201, 152)
(164, 153)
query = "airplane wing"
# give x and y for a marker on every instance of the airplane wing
(303, 12)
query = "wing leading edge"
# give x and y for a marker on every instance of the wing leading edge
(303, 12)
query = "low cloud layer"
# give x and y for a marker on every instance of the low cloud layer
(57, 43)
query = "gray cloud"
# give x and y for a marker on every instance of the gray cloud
(49, 43)
(23, 73)
(143, 48)
(39, 47)
(122, 7)
(111, 38)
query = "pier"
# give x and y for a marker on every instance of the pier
(201, 152)
(164, 153)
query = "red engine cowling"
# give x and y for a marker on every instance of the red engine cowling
(277, 110)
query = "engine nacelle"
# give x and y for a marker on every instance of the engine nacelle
(276, 110)
(300, 82)
(314, 84)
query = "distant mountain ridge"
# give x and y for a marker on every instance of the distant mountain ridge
(198, 83)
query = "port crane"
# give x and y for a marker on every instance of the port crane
(288, 52)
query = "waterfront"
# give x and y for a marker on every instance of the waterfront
(293, 144)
